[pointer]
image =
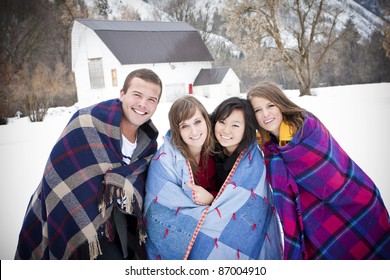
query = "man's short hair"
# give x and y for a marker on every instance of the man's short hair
(144, 74)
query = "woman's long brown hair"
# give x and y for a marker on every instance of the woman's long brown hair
(292, 114)
(183, 109)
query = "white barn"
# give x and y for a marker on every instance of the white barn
(217, 83)
(104, 52)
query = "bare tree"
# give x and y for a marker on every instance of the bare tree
(72, 10)
(101, 9)
(22, 30)
(129, 13)
(204, 21)
(181, 10)
(177, 10)
(301, 32)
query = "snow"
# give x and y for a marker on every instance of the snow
(356, 115)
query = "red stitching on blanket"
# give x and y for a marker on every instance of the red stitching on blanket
(266, 201)
(201, 220)
(216, 242)
(253, 193)
(254, 227)
(158, 157)
(219, 212)
(269, 239)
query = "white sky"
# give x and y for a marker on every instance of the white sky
(356, 115)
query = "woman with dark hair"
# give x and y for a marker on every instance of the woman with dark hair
(235, 130)
(188, 217)
(240, 169)
(328, 206)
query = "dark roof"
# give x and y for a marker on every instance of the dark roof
(211, 76)
(137, 42)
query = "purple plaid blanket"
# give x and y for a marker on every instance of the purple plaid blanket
(329, 208)
(82, 180)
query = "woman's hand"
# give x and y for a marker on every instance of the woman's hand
(202, 196)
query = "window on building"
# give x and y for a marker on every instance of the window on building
(229, 90)
(206, 91)
(174, 91)
(114, 78)
(96, 74)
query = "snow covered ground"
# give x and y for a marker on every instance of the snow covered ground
(356, 115)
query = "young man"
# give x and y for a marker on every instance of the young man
(89, 202)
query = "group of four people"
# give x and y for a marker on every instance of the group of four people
(213, 190)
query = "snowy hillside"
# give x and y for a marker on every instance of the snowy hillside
(365, 21)
(363, 18)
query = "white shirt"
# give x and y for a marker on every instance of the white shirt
(127, 149)
(127, 152)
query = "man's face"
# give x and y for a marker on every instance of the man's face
(140, 101)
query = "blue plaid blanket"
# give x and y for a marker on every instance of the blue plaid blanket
(241, 223)
(85, 173)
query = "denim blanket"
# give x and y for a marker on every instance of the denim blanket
(329, 208)
(241, 223)
(82, 181)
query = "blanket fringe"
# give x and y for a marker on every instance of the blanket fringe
(102, 208)
(117, 197)
(94, 248)
(142, 237)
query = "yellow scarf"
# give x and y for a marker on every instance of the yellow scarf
(286, 133)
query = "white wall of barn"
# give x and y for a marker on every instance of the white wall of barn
(176, 76)
(229, 87)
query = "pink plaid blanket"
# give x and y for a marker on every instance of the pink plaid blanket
(329, 208)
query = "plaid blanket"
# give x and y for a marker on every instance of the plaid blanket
(329, 208)
(85, 174)
(241, 223)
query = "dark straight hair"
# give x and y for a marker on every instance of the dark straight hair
(224, 110)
